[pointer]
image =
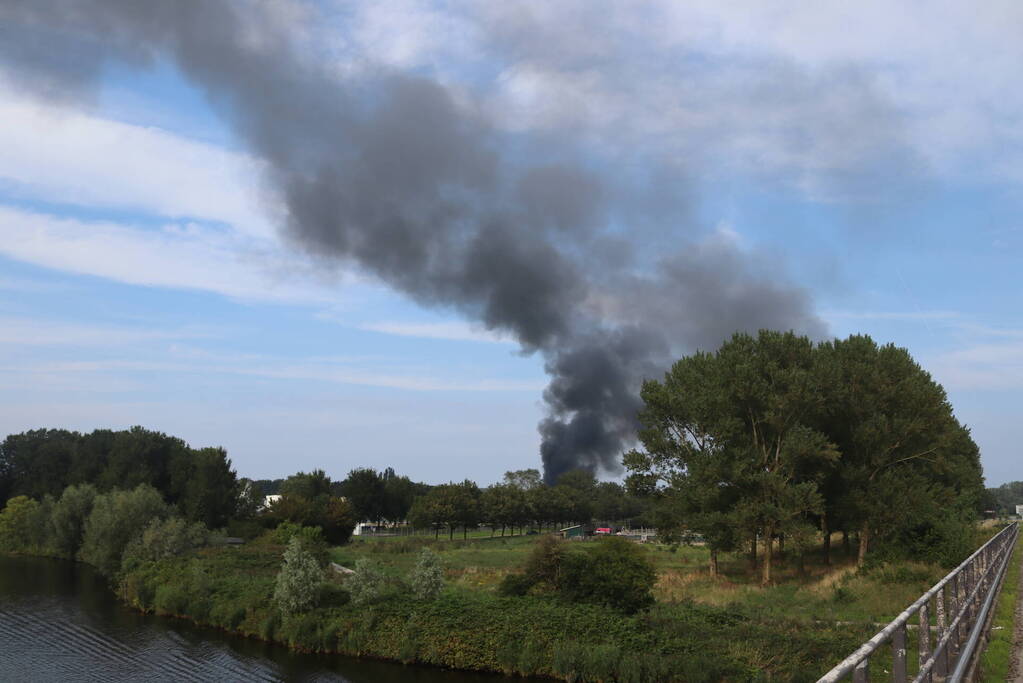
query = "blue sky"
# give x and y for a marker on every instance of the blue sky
(143, 278)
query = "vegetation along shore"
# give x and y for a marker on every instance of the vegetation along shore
(767, 468)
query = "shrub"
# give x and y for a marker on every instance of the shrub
(427, 578)
(171, 599)
(298, 582)
(367, 583)
(615, 573)
(67, 522)
(116, 518)
(546, 561)
(515, 585)
(311, 538)
(164, 538)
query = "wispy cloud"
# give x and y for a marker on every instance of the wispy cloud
(983, 366)
(180, 256)
(187, 362)
(908, 316)
(66, 156)
(33, 332)
(456, 331)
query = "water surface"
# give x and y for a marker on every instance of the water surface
(60, 622)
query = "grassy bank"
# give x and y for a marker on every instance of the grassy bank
(994, 664)
(701, 628)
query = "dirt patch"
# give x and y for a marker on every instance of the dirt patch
(1016, 663)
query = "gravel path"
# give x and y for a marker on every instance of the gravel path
(1016, 665)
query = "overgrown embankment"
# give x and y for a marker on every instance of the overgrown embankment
(232, 588)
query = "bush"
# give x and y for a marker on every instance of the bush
(615, 573)
(546, 561)
(515, 585)
(310, 536)
(367, 583)
(427, 578)
(298, 583)
(164, 538)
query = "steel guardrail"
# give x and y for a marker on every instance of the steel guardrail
(961, 602)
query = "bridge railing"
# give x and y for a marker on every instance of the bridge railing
(958, 605)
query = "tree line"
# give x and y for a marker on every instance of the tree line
(1004, 499)
(775, 437)
(200, 483)
(522, 500)
(203, 487)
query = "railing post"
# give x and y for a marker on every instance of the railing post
(953, 611)
(925, 637)
(941, 661)
(861, 674)
(899, 654)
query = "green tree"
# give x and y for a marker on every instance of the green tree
(337, 520)
(427, 577)
(210, 494)
(67, 522)
(364, 488)
(504, 505)
(367, 583)
(524, 479)
(466, 505)
(399, 492)
(731, 432)
(36, 462)
(297, 586)
(432, 511)
(896, 431)
(164, 538)
(116, 518)
(19, 524)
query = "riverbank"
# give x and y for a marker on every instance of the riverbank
(478, 630)
(60, 621)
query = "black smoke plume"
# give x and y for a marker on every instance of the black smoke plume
(395, 175)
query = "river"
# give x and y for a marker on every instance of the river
(60, 622)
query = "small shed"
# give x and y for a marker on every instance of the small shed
(576, 531)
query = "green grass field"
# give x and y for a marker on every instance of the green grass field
(824, 593)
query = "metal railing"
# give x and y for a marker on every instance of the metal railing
(960, 603)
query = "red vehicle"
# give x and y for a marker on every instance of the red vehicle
(602, 531)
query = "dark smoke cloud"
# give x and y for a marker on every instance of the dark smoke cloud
(393, 175)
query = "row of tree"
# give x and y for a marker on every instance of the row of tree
(111, 531)
(203, 487)
(522, 500)
(199, 482)
(1005, 498)
(774, 436)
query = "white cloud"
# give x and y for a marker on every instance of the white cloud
(982, 366)
(34, 333)
(62, 155)
(456, 331)
(179, 256)
(122, 373)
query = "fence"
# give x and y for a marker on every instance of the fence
(960, 603)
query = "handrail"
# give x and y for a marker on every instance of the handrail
(972, 585)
